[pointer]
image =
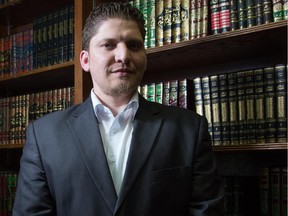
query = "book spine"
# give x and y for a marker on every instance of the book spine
(251, 15)
(233, 15)
(216, 114)
(241, 93)
(151, 22)
(267, 11)
(205, 24)
(233, 108)
(242, 14)
(143, 7)
(285, 9)
(144, 91)
(159, 22)
(166, 92)
(277, 8)
(224, 15)
(281, 103)
(224, 109)
(167, 25)
(186, 94)
(259, 104)
(64, 39)
(207, 104)
(173, 93)
(284, 191)
(250, 107)
(176, 21)
(264, 184)
(270, 101)
(71, 33)
(184, 10)
(159, 92)
(151, 92)
(215, 16)
(193, 19)
(258, 12)
(199, 12)
(275, 191)
(198, 96)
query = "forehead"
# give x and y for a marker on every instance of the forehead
(118, 27)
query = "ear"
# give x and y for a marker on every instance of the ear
(84, 60)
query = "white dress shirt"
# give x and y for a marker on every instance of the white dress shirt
(116, 135)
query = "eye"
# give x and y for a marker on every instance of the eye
(135, 45)
(108, 45)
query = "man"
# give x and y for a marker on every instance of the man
(118, 154)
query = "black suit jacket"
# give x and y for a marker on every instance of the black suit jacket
(170, 168)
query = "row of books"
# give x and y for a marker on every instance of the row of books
(16, 53)
(273, 191)
(49, 42)
(8, 185)
(172, 21)
(228, 15)
(243, 107)
(269, 197)
(18, 111)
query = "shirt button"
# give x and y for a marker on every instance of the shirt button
(113, 158)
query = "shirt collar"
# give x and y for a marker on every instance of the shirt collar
(97, 105)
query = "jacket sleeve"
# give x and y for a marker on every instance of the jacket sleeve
(207, 193)
(32, 196)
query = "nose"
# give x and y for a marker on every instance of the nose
(122, 54)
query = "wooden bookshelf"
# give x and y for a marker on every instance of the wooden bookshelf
(243, 49)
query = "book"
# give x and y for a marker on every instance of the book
(224, 15)
(216, 110)
(166, 92)
(251, 14)
(176, 21)
(184, 17)
(159, 22)
(275, 191)
(233, 109)
(241, 106)
(233, 15)
(258, 12)
(198, 96)
(281, 103)
(270, 102)
(173, 93)
(193, 19)
(264, 184)
(278, 14)
(224, 109)
(284, 191)
(250, 108)
(259, 104)
(167, 24)
(159, 92)
(242, 14)
(206, 91)
(267, 11)
(215, 16)
(185, 96)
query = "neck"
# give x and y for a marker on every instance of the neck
(115, 103)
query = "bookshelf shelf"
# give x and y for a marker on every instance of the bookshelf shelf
(251, 147)
(38, 79)
(14, 146)
(10, 3)
(260, 45)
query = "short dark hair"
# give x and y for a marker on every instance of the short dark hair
(109, 10)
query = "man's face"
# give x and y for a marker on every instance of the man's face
(116, 58)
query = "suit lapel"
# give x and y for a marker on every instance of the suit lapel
(84, 127)
(146, 127)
